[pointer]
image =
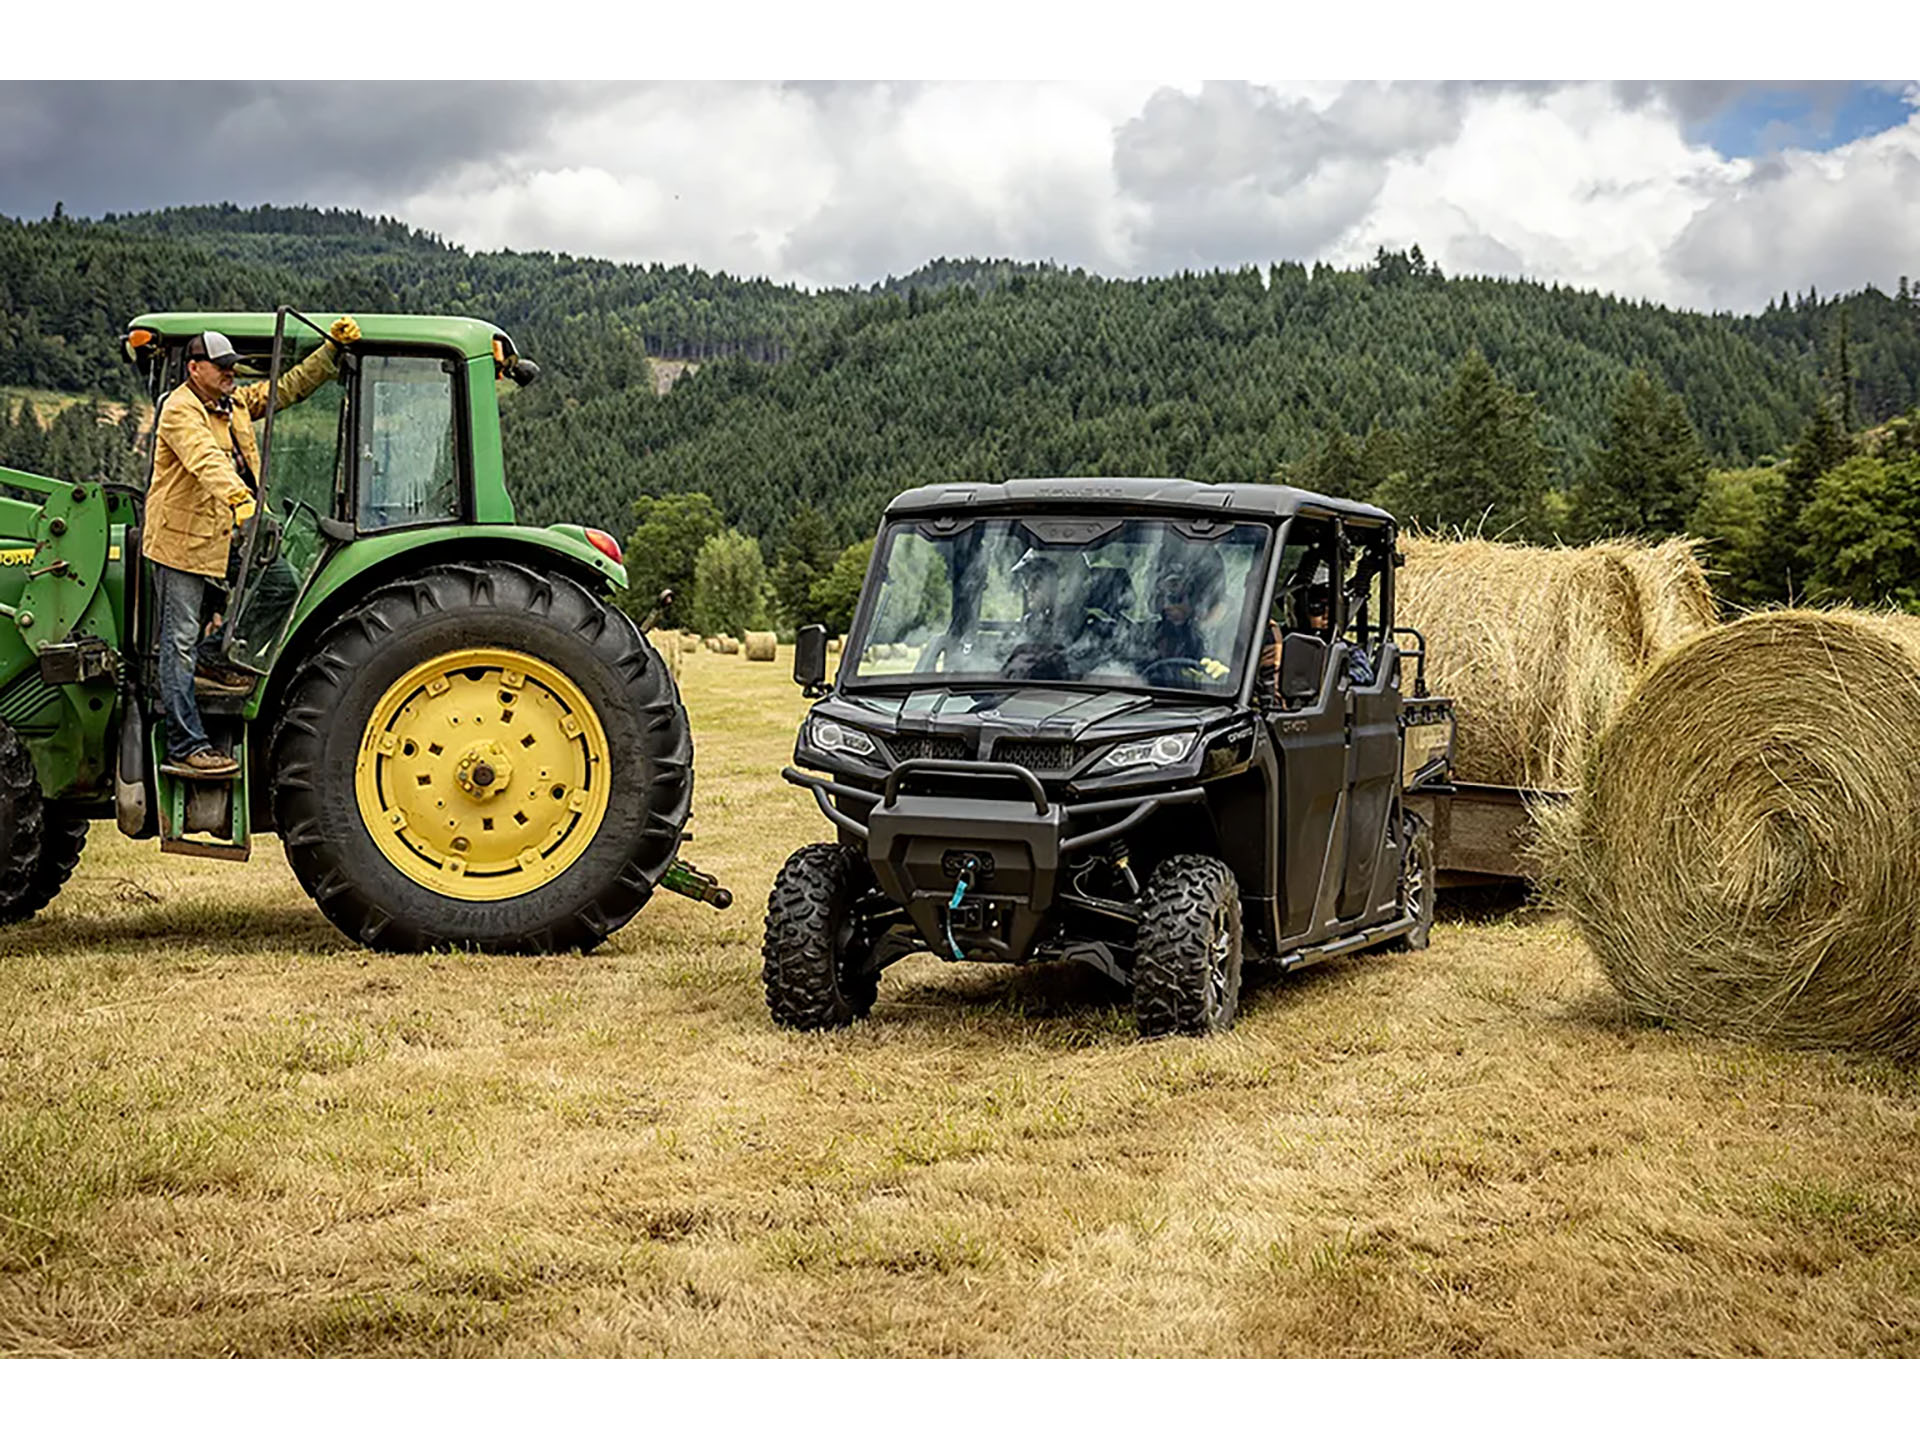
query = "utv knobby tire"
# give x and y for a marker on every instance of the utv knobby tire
(23, 820)
(63, 835)
(816, 950)
(1187, 969)
(454, 607)
(1419, 888)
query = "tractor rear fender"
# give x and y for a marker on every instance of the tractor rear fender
(371, 562)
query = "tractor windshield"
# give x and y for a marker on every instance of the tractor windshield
(1133, 604)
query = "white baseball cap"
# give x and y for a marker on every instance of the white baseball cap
(211, 345)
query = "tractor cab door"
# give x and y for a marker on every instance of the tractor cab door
(1372, 703)
(383, 454)
(1310, 734)
(302, 477)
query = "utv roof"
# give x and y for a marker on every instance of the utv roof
(472, 338)
(1258, 502)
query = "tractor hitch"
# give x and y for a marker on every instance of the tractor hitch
(683, 879)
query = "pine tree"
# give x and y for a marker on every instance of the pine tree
(805, 555)
(1647, 476)
(1479, 460)
(1823, 446)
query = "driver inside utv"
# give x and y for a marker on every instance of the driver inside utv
(1049, 617)
(1189, 593)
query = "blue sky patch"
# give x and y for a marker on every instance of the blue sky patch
(1765, 120)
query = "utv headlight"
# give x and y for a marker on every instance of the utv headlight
(832, 735)
(1162, 750)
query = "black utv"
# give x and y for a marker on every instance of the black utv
(1155, 726)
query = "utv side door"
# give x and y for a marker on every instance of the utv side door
(1373, 724)
(1312, 742)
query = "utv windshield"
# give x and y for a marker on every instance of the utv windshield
(1146, 604)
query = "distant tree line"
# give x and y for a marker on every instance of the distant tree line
(1505, 407)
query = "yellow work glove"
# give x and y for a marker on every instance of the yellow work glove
(1212, 668)
(243, 510)
(344, 331)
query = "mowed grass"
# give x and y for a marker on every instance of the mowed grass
(225, 1130)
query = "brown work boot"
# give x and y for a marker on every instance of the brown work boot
(219, 680)
(203, 765)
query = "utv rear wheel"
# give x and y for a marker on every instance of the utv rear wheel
(1186, 974)
(485, 757)
(1418, 890)
(816, 946)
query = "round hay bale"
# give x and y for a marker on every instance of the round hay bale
(834, 644)
(1741, 854)
(1537, 647)
(712, 642)
(1676, 602)
(727, 645)
(762, 645)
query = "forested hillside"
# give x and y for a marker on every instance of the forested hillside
(1525, 408)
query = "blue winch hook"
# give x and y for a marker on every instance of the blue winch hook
(959, 893)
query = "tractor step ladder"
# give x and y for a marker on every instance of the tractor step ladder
(216, 809)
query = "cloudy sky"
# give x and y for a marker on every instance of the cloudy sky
(1712, 194)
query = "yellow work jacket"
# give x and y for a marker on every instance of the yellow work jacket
(189, 520)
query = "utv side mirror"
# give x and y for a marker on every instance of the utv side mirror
(1303, 661)
(810, 660)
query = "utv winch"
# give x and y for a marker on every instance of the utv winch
(1154, 726)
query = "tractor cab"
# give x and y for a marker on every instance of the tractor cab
(458, 735)
(385, 448)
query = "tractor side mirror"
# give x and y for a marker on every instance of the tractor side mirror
(810, 660)
(1303, 661)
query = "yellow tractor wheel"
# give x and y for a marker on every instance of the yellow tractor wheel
(482, 757)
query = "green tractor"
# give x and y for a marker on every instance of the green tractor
(458, 737)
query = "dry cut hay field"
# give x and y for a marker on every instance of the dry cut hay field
(225, 1131)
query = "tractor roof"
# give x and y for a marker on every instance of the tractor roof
(472, 338)
(1259, 502)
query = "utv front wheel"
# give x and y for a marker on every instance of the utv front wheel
(816, 946)
(481, 756)
(1186, 974)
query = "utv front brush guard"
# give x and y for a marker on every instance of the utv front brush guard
(1139, 807)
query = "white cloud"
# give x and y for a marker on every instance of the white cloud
(1836, 219)
(1568, 186)
(1590, 184)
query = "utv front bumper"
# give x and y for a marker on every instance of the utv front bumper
(1009, 851)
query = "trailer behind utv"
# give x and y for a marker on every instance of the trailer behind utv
(1101, 720)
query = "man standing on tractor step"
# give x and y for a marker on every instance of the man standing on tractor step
(206, 463)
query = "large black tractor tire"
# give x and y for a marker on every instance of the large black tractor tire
(1419, 885)
(1186, 971)
(22, 825)
(321, 744)
(63, 835)
(816, 949)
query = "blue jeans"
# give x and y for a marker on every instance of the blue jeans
(182, 601)
(179, 597)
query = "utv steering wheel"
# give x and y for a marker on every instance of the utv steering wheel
(1186, 665)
